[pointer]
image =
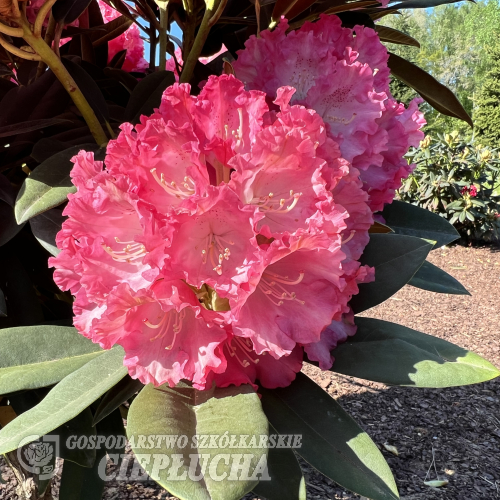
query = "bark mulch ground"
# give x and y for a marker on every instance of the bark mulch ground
(460, 426)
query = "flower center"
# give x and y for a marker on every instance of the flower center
(242, 351)
(165, 323)
(215, 250)
(270, 204)
(183, 191)
(132, 252)
(271, 285)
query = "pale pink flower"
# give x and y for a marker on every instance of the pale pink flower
(343, 75)
(217, 242)
(130, 41)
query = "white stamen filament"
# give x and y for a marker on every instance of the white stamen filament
(351, 236)
(172, 187)
(132, 252)
(344, 121)
(164, 325)
(270, 205)
(246, 350)
(215, 244)
(271, 284)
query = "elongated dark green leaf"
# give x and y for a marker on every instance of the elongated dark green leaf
(332, 442)
(45, 228)
(396, 259)
(116, 396)
(8, 225)
(66, 400)
(393, 354)
(3, 305)
(30, 126)
(391, 35)
(81, 483)
(67, 11)
(405, 218)
(186, 411)
(70, 432)
(421, 4)
(286, 476)
(432, 278)
(48, 185)
(39, 356)
(89, 89)
(290, 8)
(436, 94)
(147, 95)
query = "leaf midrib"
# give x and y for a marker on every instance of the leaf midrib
(30, 365)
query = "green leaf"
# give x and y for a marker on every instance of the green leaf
(404, 218)
(186, 411)
(396, 259)
(8, 225)
(80, 426)
(45, 228)
(80, 483)
(39, 356)
(432, 278)
(393, 354)
(66, 400)
(286, 476)
(146, 96)
(332, 442)
(391, 35)
(48, 185)
(436, 94)
(116, 396)
(3, 305)
(30, 126)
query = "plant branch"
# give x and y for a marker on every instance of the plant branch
(18, 52)
(163, 6)
(40, 18)
(9, 30)
(49, 38)
(212, 13)
(55, 64)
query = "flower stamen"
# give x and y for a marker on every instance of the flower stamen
(270, 205)
(172, 187)
(271, 285)
(164, 324)
(132, 252)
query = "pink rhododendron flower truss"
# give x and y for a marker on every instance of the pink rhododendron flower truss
(218, 240)
(130, 41)
(343, 75)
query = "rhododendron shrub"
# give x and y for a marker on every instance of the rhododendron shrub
(217, 217)
(214, 208)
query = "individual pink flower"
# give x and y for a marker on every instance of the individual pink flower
(217, 241)
(130, 41)
(343, 75)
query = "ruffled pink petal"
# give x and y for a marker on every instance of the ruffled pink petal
(246, 367)
(297, 295)
(331, 336)
(216, 245)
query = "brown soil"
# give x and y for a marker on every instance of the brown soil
(461, 426)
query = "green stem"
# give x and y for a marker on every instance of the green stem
(212, 13)
(61, 73)
(163, 35)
